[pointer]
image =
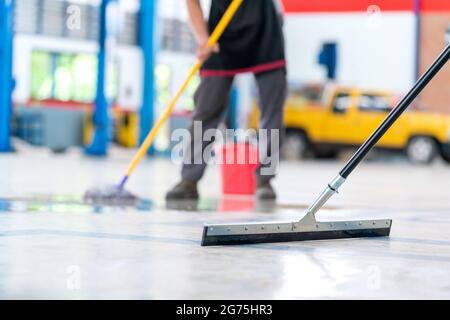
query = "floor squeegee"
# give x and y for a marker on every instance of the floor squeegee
(308, 228)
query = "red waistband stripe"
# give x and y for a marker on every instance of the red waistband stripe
(255, 69)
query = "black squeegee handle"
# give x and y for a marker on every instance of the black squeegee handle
(396, 112)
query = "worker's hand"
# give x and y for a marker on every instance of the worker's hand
(204, 51)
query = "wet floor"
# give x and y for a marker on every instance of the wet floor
(77, 204)
(53, 245)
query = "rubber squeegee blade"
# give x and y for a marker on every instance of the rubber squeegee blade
(251, 233)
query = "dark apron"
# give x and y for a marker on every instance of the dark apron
(253, 42)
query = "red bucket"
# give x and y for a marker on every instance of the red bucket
(238, 163)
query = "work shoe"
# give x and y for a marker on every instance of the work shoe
(185, 190)
(264, 191)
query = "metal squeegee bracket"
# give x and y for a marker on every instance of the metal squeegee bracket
(308, 228)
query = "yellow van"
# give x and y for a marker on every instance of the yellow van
(322, 121)
(125, 125)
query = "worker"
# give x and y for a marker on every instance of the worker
(253, 42)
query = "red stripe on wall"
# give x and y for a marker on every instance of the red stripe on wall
(298, 6)
(435, 5)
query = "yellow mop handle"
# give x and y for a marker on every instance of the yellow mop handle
(217, 33)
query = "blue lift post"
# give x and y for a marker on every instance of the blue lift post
(234, 111)
(147, 37)
(6, 81)
(99, 145)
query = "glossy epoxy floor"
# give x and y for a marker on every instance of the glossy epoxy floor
(51, 247)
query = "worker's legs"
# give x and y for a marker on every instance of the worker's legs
(211, 100)
(272, 95)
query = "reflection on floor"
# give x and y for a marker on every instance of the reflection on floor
(59, 247)
(74, 204)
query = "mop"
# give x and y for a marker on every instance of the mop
(308, 228)
(118, 194)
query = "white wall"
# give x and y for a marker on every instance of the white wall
(372, 53)
(177, 9)
(129, 60)
(131, 76)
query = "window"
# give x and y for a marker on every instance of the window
(189, 103)
(342, 103)
(163, 75)
(374, 103)
(69, 77)
(163, 79)
(50, 18)
(41, 76)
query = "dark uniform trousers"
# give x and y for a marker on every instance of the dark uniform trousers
(211, 100)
